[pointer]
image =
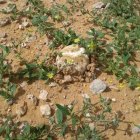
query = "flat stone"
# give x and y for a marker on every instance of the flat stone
(98, 86)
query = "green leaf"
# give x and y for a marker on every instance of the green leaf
(64, 109)
(59, 116)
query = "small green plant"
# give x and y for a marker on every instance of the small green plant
(7, 88)
(87, 123)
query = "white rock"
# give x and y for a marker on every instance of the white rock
(97, 86)
(136, 129)
(113, 99)
(73, 59)
(43, 95)
(88, 115)
(45, 110)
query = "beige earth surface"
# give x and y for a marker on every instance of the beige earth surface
(124, 99)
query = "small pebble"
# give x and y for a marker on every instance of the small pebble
(43, 95)
(4, 21)
(45, 110)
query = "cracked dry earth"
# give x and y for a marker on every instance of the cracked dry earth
(124, 99)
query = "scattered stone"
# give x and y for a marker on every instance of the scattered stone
(30, 39)
(73, 60)
(10, 102)
(43, 95)
(85, 96)
(4, 21)
(70, 106)
(98, 86)
(114, 99)
(101, 5)
(33, 99)
(45, 110)
(9, 8)
(3, 35)
(98, 5)
(22, 109)
(46, 42)
(91, 126)
(67, 79)
(25, 23)
(2, 1)
(53, 84)
(66, 23)
(23, 45)
(136, 129)
(64, 96)
(88, 115)
(20, 27)
(23, 84)
(114, 87)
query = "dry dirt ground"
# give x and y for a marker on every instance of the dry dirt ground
(125, 98)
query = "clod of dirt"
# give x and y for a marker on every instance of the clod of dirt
(67, 79)
(73, 60)
(2, 1)
(33, 99)
(136, 129)
(98, 86)
(21, 109)
(43, 95)
(45, 110)
(4, 21)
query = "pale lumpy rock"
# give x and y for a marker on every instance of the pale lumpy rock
(98, 86)
(72, 60)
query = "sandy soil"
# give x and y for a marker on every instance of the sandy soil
(125, 98)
